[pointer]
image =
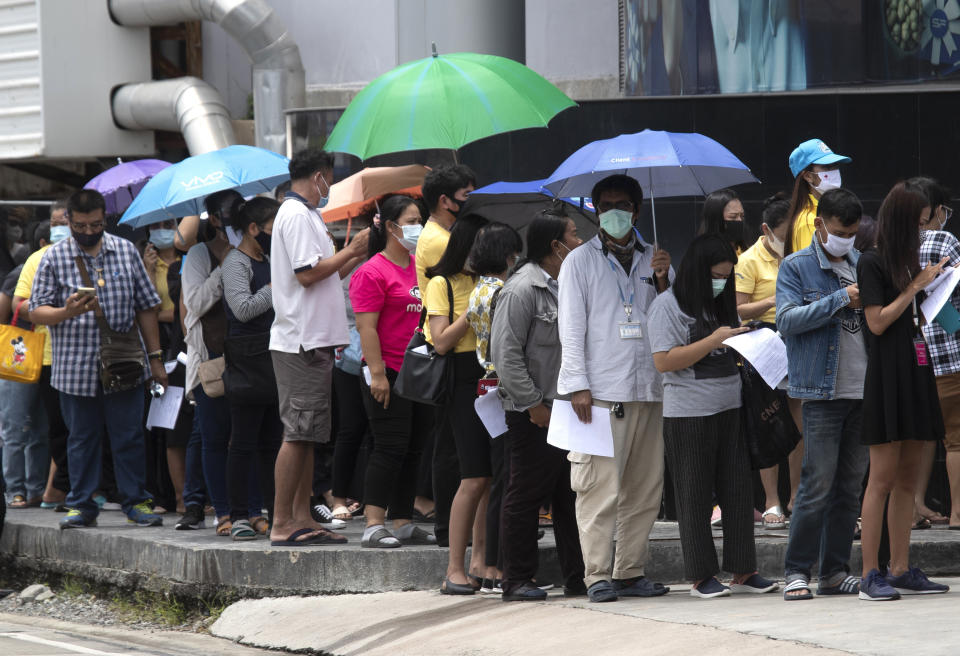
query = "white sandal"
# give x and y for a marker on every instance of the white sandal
(779, 523)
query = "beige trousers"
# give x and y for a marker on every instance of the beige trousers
(620, 497)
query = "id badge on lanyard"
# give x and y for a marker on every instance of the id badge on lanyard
(629, 329)
(919, 343)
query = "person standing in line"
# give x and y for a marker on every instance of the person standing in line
(756, 273)
(901, 409)
(128, 302)
(446, 299)
(816, 170)
(445, 190)
(525, 350)
(387, 304)
(494, 253)
(310, 322)
(701, 417)
(723, 215)
(820, 316)
(606, 287)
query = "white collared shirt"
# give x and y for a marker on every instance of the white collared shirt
(590, 311)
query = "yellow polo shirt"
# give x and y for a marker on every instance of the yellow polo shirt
(160, 283)
(24, 285)
(438, 305)
(433, 241)
(803, 227)
(756, 273)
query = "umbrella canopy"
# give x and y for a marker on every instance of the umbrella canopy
(359, 193)
(445, 101)
(120, 184)
(666, 164)
(179, 189)
(518, 203)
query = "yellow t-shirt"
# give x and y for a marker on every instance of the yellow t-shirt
(438, 305)
(160, 283)
(757, 275)
(24, 285)
(803, 227)
(433, 241)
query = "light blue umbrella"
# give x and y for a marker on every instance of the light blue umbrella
(179, 190)
(517, 203)
(666, 164)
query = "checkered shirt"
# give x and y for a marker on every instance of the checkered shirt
(944, 348)
(76, 342)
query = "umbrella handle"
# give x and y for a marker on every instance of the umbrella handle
(653, 211)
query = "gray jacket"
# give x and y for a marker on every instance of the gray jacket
(524, 342)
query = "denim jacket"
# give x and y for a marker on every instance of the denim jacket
(809, 296)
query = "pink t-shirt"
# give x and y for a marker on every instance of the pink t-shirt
(381, 286)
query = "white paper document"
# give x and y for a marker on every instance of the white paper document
(763, 349)
(367, 378)
(164, 409)
(170, 366)
(422, 350)
(567, 432)
(939, 295)
(490, 411)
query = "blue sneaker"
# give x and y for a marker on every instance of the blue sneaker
(875, 588)
(142, 515)
(710, 588)
(76, 519)
(756, 584)
(915, 582)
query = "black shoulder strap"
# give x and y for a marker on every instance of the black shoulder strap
(449, 298)
(493, 307)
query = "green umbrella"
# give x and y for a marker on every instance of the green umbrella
(445, 101)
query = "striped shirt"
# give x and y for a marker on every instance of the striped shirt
(76, 342)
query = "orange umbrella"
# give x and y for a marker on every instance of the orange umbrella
(359, 193)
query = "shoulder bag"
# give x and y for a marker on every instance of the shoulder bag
(425, 376)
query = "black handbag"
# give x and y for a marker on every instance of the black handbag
(768, 426)
(248, 372)
(425, 376)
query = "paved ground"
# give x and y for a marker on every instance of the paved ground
(32, 636)
(399, 623)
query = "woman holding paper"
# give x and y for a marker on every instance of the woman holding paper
(386, 302)
(525, 349)
(901, 410)
(687, 325)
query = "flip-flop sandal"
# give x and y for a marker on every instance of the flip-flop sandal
(224, 526)
(936, 518)
(381, 539)
(341, 512)
(261, 525)
(849, 585)
(424, 518)
(293, 541)
(242, 530)
(355, 508)
(546, 520)
(920, 524)
(794, 585)
(19, 501)
(779, 522)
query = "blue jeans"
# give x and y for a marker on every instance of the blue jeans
(214, 417)
(194, 492)
(828, 500)
(26, 458)
(121, 413)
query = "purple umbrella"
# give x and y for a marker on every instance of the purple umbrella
(121, 183)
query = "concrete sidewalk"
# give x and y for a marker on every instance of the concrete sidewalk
(201, 563)
(401, 623)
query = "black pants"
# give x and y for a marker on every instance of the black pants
(707, 454)
(255, 436)
(538, 471)
(398, 435)
(351, 430)
(57, 430)
(501, 474)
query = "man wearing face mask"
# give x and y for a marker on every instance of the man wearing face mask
(126, 297)
(821, 318)
(310, 323)
(606, 287)
(816, 170)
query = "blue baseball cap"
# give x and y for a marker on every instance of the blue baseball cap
(814, 151)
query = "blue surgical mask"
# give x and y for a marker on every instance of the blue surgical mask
(411, 234)
(59, 233)
(719, 284)
(616, 223)
(162, 237)
(323, 199)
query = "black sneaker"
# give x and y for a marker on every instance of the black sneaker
(324, 516)
(192, 519)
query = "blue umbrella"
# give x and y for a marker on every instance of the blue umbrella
(665, 163)
(530, 187)
(179, 190)
(517, 203)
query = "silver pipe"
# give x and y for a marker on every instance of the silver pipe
(279, 81)
(186, 104)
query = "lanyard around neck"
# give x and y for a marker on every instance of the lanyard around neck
(627, 305)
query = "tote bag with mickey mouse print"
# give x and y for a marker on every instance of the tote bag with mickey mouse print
(21, 352)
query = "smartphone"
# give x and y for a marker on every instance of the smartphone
(86, 291)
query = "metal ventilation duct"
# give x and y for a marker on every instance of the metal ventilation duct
(278, 76)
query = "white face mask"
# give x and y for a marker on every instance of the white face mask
(828, 180)
(836, 246)
(776, 245)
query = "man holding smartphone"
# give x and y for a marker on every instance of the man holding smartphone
(65, 302)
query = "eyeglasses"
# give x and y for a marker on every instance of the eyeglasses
(87, 227)
(624, 205)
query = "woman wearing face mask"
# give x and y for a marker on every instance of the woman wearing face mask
(723, 215)
(701, 417)
(159, 256)
(900, 406)
(756, 273)
(386, 303)
(816, 170)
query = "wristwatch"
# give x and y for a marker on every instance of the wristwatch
(155, 355)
